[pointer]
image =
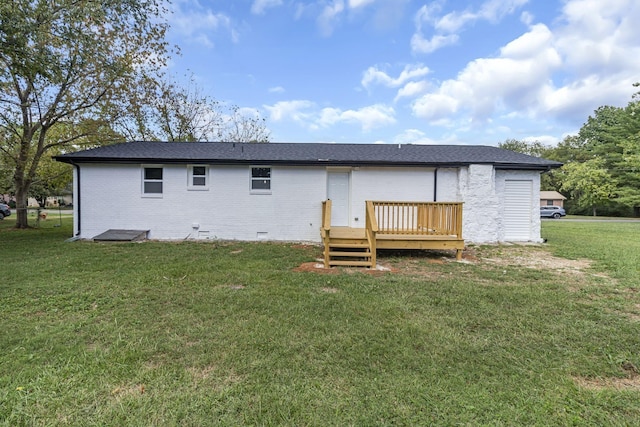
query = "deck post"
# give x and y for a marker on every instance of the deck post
(325, 230)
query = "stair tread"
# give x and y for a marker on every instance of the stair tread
(349, 245)
(351, 263)
(350, 254)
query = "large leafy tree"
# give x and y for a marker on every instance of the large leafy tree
(165, 110)
(66, 61)
(588, 183)
(612, 135)
(606, 151)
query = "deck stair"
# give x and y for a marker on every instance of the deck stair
(349, 252)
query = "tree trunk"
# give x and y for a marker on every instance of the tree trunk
(594, 210)
(21, 207)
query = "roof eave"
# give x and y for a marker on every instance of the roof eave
(319, 162)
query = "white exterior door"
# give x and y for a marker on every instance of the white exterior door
(338, 193)
(517, 210)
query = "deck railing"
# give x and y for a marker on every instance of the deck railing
(417, 218)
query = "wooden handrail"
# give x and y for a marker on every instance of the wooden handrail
(418, 218)
(371, 221)
(371, 230)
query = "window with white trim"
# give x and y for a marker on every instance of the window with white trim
(261, 179)
(198, 177)
(152, 181)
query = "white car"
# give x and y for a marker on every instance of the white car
(552, 212)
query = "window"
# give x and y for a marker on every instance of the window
(261, 180)
(152, 181)
(198, 178)
(549, 202)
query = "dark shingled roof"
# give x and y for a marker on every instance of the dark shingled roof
(308, 154)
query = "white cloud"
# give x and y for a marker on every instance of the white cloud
(355, 4)
(421, 45)
(413, 136)
(526, 18)
(589, 59)
(412, 89)
(306, 114)
(446, 28)
(548, 140)
(454, 21)
(199, 25)
(276, 89)
(290, 110)
(329, 16)
(529, 44)
(436, 106)
(259, 6)
(494, 10)
(377, 76)
(368, 118)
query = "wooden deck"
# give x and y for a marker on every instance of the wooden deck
(392, 225)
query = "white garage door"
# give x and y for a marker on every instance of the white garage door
(517, 210)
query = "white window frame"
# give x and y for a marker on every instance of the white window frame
(144, 180)
(191, 176)
(252, 179)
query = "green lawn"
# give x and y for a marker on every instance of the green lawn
(227, 333)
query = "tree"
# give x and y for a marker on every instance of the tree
(589, 183)
(65, 61)
(534, 148)
(612, 137)
(163, 110)
(51, 179)
(629, 164)
(537, 149)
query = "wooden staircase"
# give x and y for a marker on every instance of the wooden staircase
(349, 252)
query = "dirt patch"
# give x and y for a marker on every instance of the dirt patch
(127, 391)
(211, 377)
(598, 384)
(303, 246)
(329, 290)
(318, 267)
(416, 262)
(635, 316)
(631, 382)
(532, 257)
(315, 267)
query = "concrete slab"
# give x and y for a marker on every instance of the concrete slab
(121, 236)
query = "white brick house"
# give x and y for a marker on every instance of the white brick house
(274, 191)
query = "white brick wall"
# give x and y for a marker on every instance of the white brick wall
(111, 198)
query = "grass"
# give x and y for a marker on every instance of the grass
(226, 333)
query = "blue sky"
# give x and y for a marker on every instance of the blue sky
(402, 71)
